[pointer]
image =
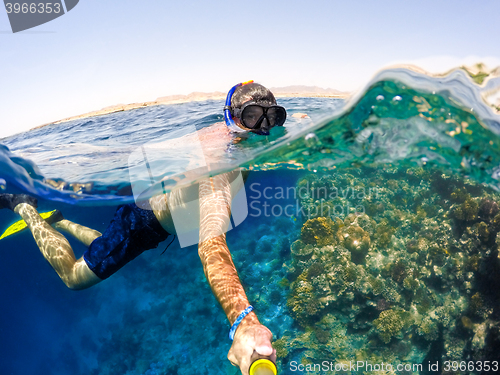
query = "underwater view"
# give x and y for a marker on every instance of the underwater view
(370, 243)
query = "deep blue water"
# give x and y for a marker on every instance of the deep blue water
(158, 314)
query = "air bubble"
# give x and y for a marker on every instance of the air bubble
(311, 140)
(380, 98)
(397, 98)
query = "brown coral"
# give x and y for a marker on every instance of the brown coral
(467, 211)
(488, 209)
(391, 323)
(319, 231)
(398, 271)
(384, 234)
(483, 232)
(357, 241)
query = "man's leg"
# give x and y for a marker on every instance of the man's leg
(131, 232)
(56, 249)
(83, 234)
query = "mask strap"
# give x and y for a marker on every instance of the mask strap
(227, 110)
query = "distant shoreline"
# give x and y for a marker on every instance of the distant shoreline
(285, 92)
(477, 72)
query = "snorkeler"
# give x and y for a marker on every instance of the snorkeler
(250, 107)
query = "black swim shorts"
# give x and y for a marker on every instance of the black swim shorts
(131, 232)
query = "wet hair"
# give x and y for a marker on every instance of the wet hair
(251, 91)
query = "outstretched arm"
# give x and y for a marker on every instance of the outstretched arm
(251, 336)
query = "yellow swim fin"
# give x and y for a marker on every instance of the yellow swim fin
(20, 225)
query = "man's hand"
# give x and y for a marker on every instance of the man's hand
(250, 339)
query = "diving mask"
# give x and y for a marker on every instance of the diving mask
(252, 115)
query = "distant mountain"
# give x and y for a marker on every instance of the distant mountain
(301, 90)
(194, 96)
(288, 91)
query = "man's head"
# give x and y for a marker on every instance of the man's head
(251, 92)
(253, 108)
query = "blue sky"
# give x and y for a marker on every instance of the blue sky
(109, 52)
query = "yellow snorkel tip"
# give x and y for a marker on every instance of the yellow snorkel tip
(263, 367)
(244, 83)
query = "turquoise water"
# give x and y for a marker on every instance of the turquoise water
(376, 239)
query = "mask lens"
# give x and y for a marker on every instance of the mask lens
(276, 116)
(251, 115)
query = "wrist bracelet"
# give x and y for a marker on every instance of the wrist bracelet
(238, 321)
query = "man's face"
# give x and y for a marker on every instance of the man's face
(264, 124)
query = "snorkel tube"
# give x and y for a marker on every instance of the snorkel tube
(228, 118)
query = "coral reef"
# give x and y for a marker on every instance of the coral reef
(411, 261)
